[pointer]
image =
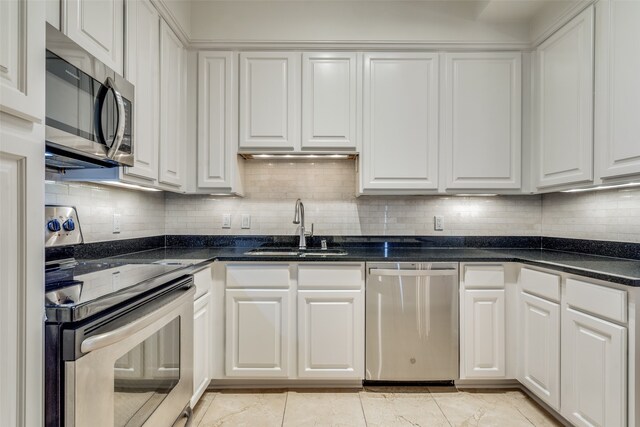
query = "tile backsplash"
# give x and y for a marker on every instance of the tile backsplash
(596, 215)
(142, 213)
(327, 189)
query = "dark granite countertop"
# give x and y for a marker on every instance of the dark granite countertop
(617, 270)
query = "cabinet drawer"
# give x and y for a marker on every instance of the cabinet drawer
(542, 284)
(258, 276)
(483, 276)
(334, 276)
(203, 280)
(599, 300)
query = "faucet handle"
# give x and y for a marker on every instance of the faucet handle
(309, 234)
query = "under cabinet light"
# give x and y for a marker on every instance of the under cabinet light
(603, 187)
(129, 186)
(476, 195)
(249, 156)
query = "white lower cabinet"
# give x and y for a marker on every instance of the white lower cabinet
(330, 334)
(257, 333)
(202, 345)
(484, 333)
(594, 371)
(540, 348)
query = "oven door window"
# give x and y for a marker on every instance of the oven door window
(145, 375)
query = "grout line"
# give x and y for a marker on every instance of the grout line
(284, 410)
(205, 410)
(438, 405)
(366, 423)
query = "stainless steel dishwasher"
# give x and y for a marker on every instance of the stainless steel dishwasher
(412, 322)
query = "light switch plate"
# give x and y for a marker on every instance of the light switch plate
(246, 221)
(438, 223)
(116, 223)
(226, 221)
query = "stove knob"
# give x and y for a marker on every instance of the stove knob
(69, 225)
(53, 225)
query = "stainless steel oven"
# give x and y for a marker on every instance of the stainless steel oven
(128, 366)
(89, 109)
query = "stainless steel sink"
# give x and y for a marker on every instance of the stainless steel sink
(295, 252)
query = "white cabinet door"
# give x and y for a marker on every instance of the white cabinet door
(481, 120)
(217, 119)
(269, 100)
(172, 137)
(540, 349)
(143, 70)
(22, 59)
(617, 100)
(564, 105)
(594, 371)
(329, 100)
(400, 122)
(202, 346)
(484, 333)
(98, 27)
(131, 365)
(21, 273)
(257, 333)
(331, 334)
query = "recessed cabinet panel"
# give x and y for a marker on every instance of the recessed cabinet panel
(97, 26)
(22, 58)
(617, 87)
(594, 371)
(143, 70)
(564, 111)
(269, 99)
(172, 136)
(202, 350)
(216, 119)
(257, 337)
(540, 352)
(482, 115)
(484, 333)
(329, 100)
(400, 119)
(330, 334)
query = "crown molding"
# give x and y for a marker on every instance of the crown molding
(172, 21)
(571, 12)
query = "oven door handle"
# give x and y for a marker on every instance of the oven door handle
(106, 339)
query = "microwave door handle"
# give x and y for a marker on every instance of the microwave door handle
(119, 136)
(106, 339)
(413, 273)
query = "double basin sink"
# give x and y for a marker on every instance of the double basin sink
(289, 252)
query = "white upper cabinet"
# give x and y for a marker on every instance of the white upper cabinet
(269, 98)
(98, 27)
(564, 105)
(172, 94)
(218, 122)
(400, 122)
(481, 134)
(143, 70)
(617, 101)
(329, 100)
(22, 59)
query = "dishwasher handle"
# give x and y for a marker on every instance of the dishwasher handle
(413, 273)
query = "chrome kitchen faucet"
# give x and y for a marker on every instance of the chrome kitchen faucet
(298, 218)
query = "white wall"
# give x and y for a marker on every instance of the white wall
(328, 192)
(433, 21)
(597, 215)
(142, 213)
(181, 12)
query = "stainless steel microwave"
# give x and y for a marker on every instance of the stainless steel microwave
(89, 109)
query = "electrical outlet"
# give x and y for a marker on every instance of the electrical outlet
(116, 223)
(246, 221)
(226, 221)
(115, 280)
(438, 223)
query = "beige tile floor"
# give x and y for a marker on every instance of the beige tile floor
(416, 406)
